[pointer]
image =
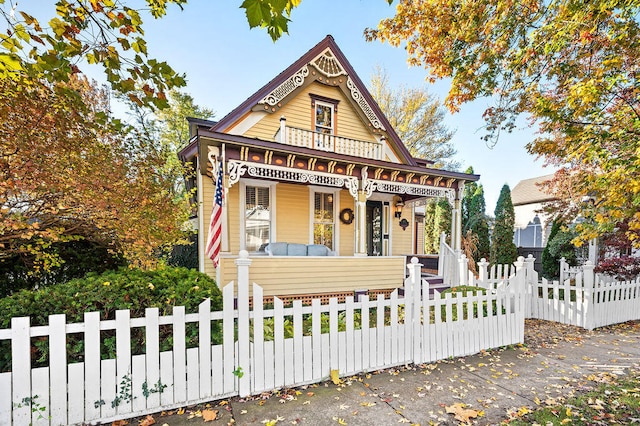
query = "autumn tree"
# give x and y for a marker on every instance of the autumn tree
(66, 176)
(503, 249)
(571, 67)
(418, 118)
(167, 130)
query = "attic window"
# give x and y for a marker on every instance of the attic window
(324, 113)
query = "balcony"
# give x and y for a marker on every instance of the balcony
(330, 143)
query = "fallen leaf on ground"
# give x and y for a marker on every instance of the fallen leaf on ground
(209, 415)
(147, 421)
(335, 377)
(119, 423)
(460, 413)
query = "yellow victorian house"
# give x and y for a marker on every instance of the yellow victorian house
(318, 187)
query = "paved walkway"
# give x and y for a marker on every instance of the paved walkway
(493, 383)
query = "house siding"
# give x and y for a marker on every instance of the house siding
(292, 219)
(288, 275)
(402, 241)
(347, 232)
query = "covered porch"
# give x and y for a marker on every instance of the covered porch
(369, 215)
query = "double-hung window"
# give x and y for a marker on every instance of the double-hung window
(324, 117)
(257, 218)
(323, 219)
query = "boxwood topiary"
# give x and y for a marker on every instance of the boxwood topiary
(107, 292)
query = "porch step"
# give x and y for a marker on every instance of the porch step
(435, 283)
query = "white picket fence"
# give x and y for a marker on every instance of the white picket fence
(362, 335)
(583, 299)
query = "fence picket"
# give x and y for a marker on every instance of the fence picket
(193, 375)
(41, 397)
(123, 360)
(167, 397)
(228, 339)
(349, 335)
(138, 378)
(258, 368)
(366, 333)
(204, 348)
(5, 398)
(92, 365)
(278, 342)
(316, 337)
(179, 354)
(21, 369)
(298, 348)
(108, 391)
(152, 359)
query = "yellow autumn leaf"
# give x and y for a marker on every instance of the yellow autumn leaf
(209, 415)
(335, 377)
(565, 421)
(461, 413)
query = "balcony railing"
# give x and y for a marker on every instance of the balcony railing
(329, 143)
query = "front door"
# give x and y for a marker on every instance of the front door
(374, 228)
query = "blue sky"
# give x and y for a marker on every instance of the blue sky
(225, 62)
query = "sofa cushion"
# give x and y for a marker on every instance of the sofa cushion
(317, 250)
(277, 249)
(296, 249)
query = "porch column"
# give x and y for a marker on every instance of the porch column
(361, 224)
(456, 219)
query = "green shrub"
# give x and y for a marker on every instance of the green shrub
(77, 258)
(124, 288)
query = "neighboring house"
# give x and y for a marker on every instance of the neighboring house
(310, 160)
(531, 225)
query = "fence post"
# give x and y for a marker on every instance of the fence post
(588, 280)
(442, 259)
(520, 272)
(463, 268)
(563, 268)
(243, 368)
(531, 281)
(412, 299)
(483, 273)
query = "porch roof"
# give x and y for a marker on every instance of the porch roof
(253, 150)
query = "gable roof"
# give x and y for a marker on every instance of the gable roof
(359, 90)
(528, 191)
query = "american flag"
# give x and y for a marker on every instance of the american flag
(215, 226)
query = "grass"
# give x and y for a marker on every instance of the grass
(616, 402)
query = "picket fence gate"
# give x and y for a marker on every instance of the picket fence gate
(363, 335)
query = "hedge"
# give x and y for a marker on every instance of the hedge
(124, 288)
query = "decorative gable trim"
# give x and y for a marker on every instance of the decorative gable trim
(328, 65)
(364, 105)
(286, 88)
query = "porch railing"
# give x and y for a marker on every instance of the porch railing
(331, 143)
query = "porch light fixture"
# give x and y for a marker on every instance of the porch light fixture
(399, 205)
